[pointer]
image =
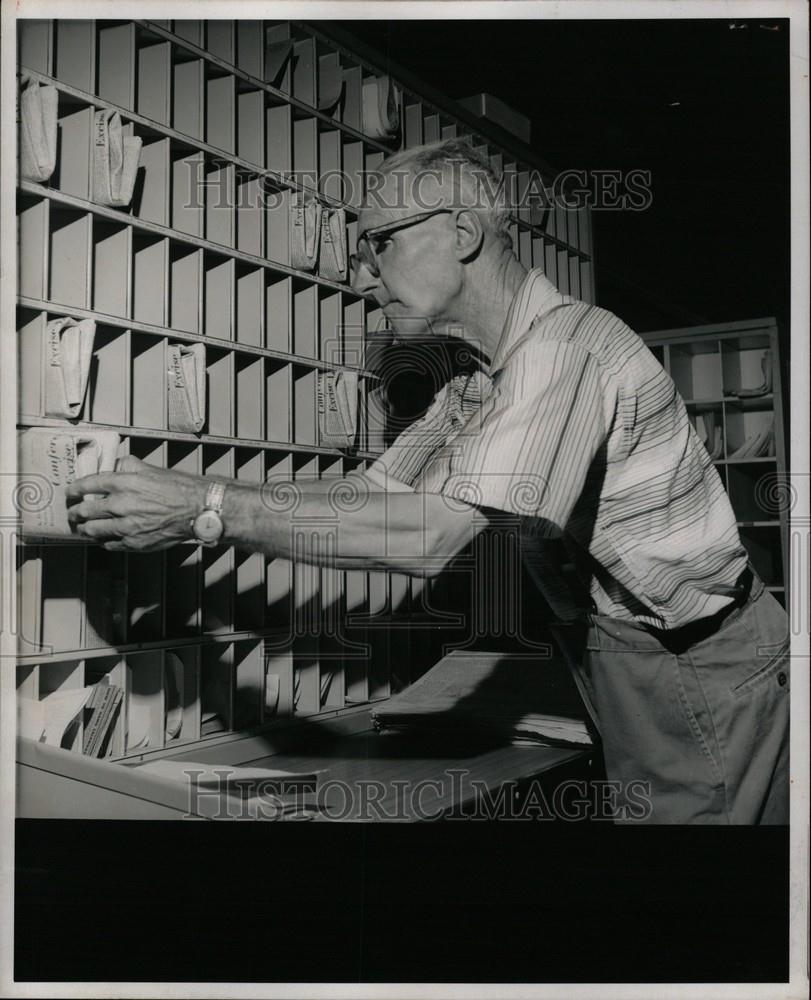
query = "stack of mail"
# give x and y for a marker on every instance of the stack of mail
(757, 445)
(521, 700)
(38, 114)
(50, 459)
(305, 232)
(115, 160)
(68, 353)
(765, 385)
(381, 108)
(337, 408)
(186, 386)
(333, 257)
(101, 711)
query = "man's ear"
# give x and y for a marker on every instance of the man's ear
(469, 234)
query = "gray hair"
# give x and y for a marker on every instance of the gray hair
(467, 175)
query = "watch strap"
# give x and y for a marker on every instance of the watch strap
(215, 495)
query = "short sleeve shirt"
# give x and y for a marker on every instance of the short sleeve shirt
(579, 432)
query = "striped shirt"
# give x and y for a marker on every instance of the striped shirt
(580, 434)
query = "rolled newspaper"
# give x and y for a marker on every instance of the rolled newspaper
(186, 386)
(381, 108)
(338, 408)
(115, 160)
(68, 354)
(38, 114)
(332, 259)
(305, 232)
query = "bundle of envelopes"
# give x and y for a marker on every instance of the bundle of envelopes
(524, 700)
(38, 115)
(49, 459)
(101, 710)
(337, 408)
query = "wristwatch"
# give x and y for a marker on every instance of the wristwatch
(207, 527)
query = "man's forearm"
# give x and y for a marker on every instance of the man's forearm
(353, 527)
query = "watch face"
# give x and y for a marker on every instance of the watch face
(208, 526)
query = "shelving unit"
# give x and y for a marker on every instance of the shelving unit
(709, 365)
(235, 118)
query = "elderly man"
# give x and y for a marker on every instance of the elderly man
(573, 429)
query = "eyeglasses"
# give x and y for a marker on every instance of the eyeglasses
(370, 240)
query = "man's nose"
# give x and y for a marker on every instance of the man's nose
(364, 282)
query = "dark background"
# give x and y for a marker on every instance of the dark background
(469, 902)
(701, 104)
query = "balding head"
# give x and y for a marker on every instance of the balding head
(447, 174)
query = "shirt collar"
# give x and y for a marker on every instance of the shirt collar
(535, 297)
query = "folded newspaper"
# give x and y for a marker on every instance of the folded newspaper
(69, 351)
(381, 108)
(337, 408)
(305, 232)
(332, 258)
(186, 385)
(49, 459)
(38, 114)
(526, 701)
(115, 160)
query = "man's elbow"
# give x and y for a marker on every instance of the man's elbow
(443, 542)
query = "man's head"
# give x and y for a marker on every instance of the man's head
(434, 219)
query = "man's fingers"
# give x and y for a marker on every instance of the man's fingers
(100, 529)
(90, 508)
(102, 482)
(129, 463)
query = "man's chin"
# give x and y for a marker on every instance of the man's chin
(411, 327)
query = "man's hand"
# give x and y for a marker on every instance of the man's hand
(138, 508)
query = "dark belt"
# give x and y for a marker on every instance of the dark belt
(677, 640)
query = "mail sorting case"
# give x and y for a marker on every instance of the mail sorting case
(239, 125)
(729, 377)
